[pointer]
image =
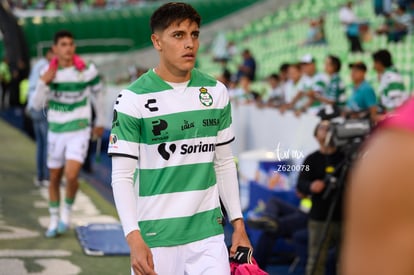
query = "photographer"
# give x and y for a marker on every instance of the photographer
(363, 101)
(322, 163)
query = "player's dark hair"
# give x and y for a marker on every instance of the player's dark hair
(172, 12)
(384, 57)
(336, 62)
(61, 34)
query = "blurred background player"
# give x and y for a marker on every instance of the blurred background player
(67, 87)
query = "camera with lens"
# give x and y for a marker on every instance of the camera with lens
(348, 134)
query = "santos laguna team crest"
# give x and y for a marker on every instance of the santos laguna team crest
(205, 98)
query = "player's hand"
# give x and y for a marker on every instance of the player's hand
(97, 132)
(49, 75)
(141, 256)
(317, 186)
(239, 237)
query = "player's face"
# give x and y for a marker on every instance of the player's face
(178, 45)
(64, 49)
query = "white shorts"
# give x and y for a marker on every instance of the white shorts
(205, 257)
(67, 146)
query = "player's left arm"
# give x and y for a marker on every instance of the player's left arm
(226, 175)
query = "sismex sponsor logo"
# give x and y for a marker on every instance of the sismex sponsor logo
(211, 122)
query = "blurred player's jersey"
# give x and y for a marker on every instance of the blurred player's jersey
(69, 106)
(173, 131)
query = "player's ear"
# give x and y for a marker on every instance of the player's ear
(155, 38)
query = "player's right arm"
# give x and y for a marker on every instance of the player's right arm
(124, 149)
(123, 169)
(379, 229)
(42, 88)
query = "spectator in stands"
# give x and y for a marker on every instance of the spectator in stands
(283, 73)
(397, 25)
(392, 92)
(239, 92)
(363, 102)
(333, 98)
(248, 67)
(313, 182)
(39, 120)
(295, 89)
(70, 92)
(316, 33)
(283, 77)
(180, 212)
(316, 83)
(275, 95)
(5, 78)
(351, 24)
(382, 7)
(279, 219)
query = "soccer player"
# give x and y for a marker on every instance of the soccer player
(172, 160)
(67, 87)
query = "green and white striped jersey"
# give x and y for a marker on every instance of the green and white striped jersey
(335, 90)
(173, 135)
(391, 89)
(68, 98)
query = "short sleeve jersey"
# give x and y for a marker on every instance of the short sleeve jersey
(392, 90)
(363, 97)
(173, 135)
(336, 90)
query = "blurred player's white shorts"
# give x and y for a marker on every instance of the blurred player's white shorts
(205, 257)
(67, 146)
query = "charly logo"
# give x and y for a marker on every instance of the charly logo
(162, 149)
(205, 98)
(115, 121)
(151, 101)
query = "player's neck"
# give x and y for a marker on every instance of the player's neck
(172, 76)
(65, 63)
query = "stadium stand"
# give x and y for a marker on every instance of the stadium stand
(276, 38)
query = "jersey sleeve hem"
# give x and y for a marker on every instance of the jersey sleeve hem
(122, 155)
(226, 142)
